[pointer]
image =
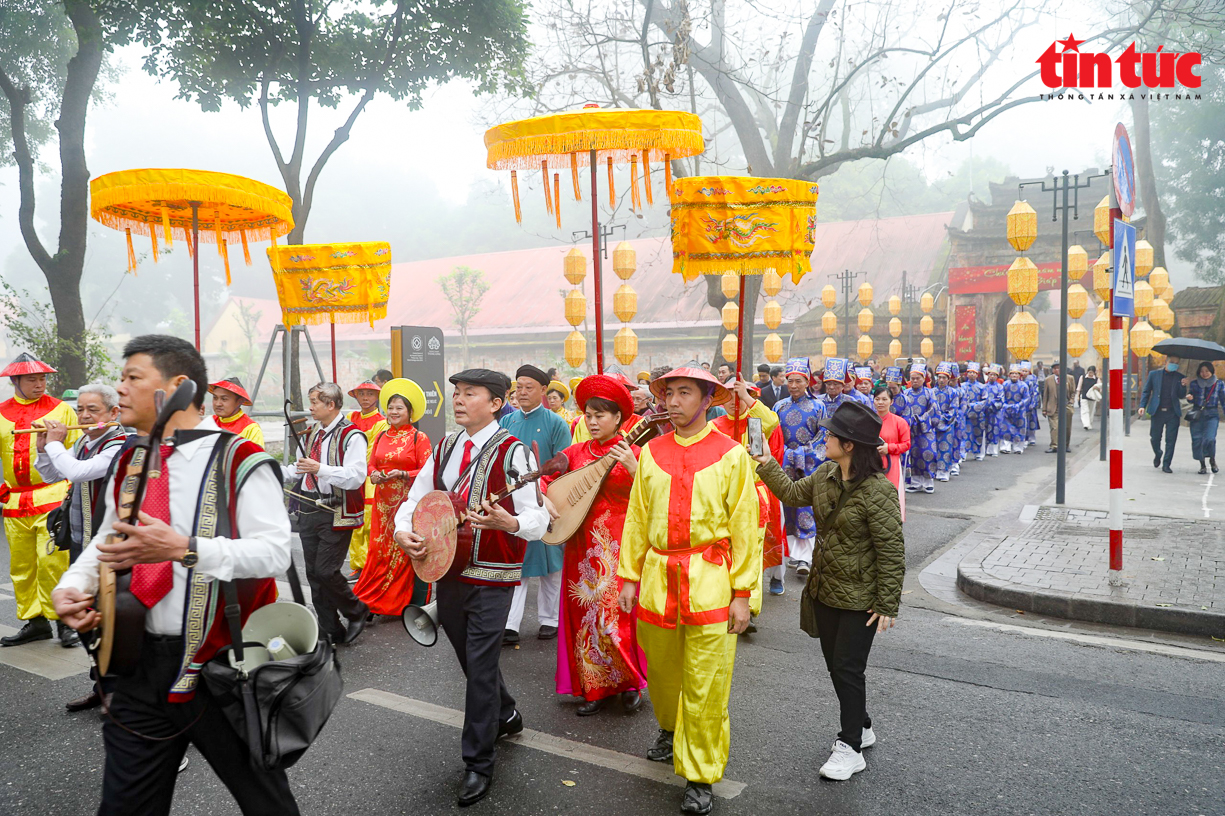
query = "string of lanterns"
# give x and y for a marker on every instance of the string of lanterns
(772, 315)
(865, 320)
(895, 327)
(575, 349)
(926, 325)
(1021, 225)
(625, 303)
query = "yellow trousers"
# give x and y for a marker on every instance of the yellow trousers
(756, 594)
(35, 572)
(359, 542)
(689, 676)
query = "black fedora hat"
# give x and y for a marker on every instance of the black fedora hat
(855, 422)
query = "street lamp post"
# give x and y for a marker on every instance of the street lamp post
(909, 294)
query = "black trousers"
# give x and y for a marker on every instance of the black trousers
(1164, 422)
(140, 773)
(846, 640)
(324, 551)
(474, 618)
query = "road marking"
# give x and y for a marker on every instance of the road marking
(46, 658)
(1100, 640)
(1204, 501)
(7, 587)
(558, 746)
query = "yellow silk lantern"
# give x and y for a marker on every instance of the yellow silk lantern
(895, 305)
(1078, 300)
(576, 349)
(926, 348)
(1022, 226)
(625, 260)
(829, 347)
(1161, 315)
(1143, 298)
(1101, 332)
(829, 297)
(1141, 336)
(625, 346)
(1078, 262)
(730, 315)
(895, 327)
(772, 314)
(625, 303)
(927, 303)
(1078, 340)
(773, 348)
(1144, 258)
(1101, 220)
(1157, 356)
(829, 322)
(575, 266)
(927, 325)
(864, 347)
(1022, 335)
(771, 283)
(1159, 279)
(1101, 276)
(728, 347)
(865, 294)
(576, 307)
(729, 284)
(895, 348)
(1168, 294)
(865, 320)
(1022, 281)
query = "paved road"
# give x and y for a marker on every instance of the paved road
(972, 718)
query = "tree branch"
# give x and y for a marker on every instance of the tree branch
(799, 85)
(18, 99)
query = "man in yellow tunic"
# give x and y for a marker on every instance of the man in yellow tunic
(368, 419)
(691, 558)
(33, 564)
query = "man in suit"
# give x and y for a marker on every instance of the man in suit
(1160, 400)
(775, 389)
(1050, 406)
(763, 375)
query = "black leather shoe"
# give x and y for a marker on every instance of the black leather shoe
(356, 625)
(510, 638)
(35, 629)
(751, 629)
(697, 798)
(91, 700)
(661, 751)
(474, 789)
(592, 707)
(631, 701)
(1166, 469)
(512, 726)
(67, 635)
(1157, 460)
(1212, 464)
(1203, 467)
(547, 632)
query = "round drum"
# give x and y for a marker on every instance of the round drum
(434, 519)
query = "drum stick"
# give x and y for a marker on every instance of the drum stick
(95, 427)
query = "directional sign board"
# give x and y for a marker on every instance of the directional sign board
(419, 352)
(1123, 284)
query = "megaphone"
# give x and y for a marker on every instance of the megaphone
(421, 622)
(283, 630)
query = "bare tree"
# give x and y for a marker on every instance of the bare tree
(464, 288)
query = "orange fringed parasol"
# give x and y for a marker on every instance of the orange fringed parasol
(318, 283)
(229, 208)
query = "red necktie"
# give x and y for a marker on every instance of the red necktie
(311, 482)
(464, 461)
(151, 582)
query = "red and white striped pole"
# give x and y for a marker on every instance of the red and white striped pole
(1116, 419)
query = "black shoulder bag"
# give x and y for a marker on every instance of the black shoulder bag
(808, 617)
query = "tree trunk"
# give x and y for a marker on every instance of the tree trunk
(1146, 179)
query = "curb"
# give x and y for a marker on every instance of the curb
(976, 582)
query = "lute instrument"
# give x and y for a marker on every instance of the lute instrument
(115, 644)
(441, 518)
(573, 494)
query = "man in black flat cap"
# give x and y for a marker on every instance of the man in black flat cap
(474, 596)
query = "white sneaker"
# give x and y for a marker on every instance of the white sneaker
(844, 762)
(868, 739)
(803, 569)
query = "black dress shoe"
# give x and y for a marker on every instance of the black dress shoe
(1157, 460)
(356, 625)
(631, 701)
(1203, 467)
(591, 707)
(511, 726)
(547, 632)
(661, 751)
(474, 789)
(1166, 469)
(67, 635)
(510, 638)
(91, 700)
(1212, 464)
(697, 798)
(35, 629)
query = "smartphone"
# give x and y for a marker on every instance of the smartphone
(756, 441)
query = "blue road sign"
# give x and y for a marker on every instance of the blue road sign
(1123, 284)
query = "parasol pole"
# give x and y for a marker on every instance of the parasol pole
(595, 256)
(739, 359)
(195, 263)
(333, 316)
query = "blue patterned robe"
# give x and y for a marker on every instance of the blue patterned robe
(993, 412)
(831, 405)
(805, 443)
(552, 435)
(948, 409)
(918, 408)
(974, 401)
(1015, 413)
(1035, 399)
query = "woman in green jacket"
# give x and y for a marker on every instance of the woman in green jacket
(856, 580)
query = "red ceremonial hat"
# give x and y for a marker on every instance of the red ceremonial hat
(721, 394)
(26, 363)
(234, 386)
(366, 386)
(606, 387)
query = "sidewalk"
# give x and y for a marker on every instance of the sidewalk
(1054, 560)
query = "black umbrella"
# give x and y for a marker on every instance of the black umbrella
(1190, 348)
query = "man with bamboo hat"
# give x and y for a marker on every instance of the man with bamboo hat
(366, 418)
(34, 565)
(229, 398)
(691, 558)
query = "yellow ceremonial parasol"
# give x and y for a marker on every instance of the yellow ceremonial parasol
(349, 282)
(588, 137)
(231, 208)
(743, 226)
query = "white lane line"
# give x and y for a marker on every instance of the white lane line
(46, 658)
(558, 746)
(1204, 501)
(7, 587)
(1099, 640)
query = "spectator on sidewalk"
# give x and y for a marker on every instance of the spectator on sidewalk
(1160, 400)
(1207, 395)
(1090, 390)
(1050, 407)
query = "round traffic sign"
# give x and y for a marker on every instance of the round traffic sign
(1124, 171)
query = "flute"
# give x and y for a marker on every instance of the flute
(95, 427)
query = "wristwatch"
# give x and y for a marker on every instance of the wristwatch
(191, 557)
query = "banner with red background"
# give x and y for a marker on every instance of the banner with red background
(964, 336)
(984, 280)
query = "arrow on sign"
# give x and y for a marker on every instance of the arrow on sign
(437, 391)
